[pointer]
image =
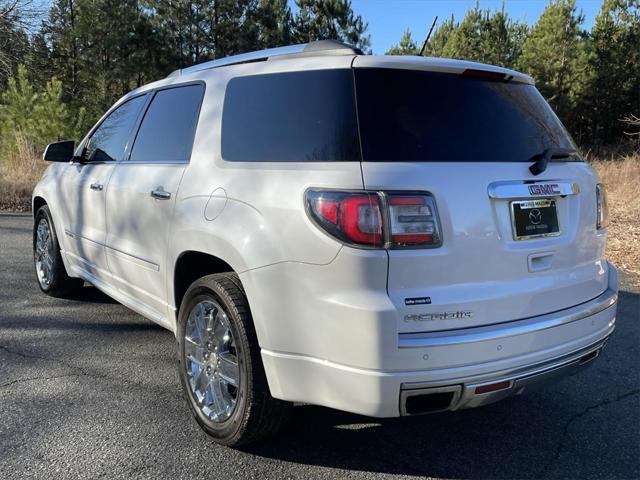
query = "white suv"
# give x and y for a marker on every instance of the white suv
(381, 235)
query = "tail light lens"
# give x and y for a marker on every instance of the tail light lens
(376, 219)
(602, 207)
(413, 221)
(354, 218)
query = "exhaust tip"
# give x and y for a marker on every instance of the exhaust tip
(429, 400)
(428, 403)
(589, 356)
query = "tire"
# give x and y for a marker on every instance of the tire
(231, 401)
(50, 270)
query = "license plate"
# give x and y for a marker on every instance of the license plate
(534, 218)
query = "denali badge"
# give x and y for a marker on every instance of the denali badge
(426, 317)
(544, 189)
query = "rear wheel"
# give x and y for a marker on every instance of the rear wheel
(50, 271)
(220, 366)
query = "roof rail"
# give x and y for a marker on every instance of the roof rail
(320, 47)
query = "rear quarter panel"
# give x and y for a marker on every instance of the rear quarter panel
(251, 214)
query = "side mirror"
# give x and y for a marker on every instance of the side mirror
(59, 151)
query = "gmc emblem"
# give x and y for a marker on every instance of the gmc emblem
(544, 189)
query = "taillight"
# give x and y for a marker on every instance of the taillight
(376, 219)
(351, 217)
(602, 207)
(361, 219)
(413, 221)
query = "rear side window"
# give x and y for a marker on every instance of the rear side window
(168, 127)
(109, 140)
(290, 117)
(413, 116)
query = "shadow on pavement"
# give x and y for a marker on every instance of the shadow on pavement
(90, 294)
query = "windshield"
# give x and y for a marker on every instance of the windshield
(417, 116)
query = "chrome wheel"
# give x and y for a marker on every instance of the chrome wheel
(44, 253)
(211, 360)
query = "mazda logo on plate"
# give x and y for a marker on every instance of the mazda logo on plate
(535, 216)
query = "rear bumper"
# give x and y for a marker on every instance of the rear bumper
(484, 390)
(518, 355)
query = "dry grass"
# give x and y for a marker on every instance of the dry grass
(622, 179)
(18, 176)
(621, 174)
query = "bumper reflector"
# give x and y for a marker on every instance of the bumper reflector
(493, 387)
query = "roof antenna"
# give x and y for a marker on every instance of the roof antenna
(424, 44)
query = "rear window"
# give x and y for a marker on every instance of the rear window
(290, 117)
(168, 127)
(432, 117)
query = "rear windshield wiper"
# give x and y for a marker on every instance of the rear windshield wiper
(547, 155)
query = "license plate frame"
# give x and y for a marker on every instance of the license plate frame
(523, 219)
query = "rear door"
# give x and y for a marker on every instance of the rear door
(142, 192)
(514, 245)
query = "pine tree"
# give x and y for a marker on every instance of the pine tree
(274, 23)
(99, 49)
(60, 31)
(196, 31)
(38, 61)
(234, 30)
(51, 116)
(330, 19)
(487, 37)
(613, 85)
(407, 46)
(440, 37)
(179, 25)
(16, 111)
(554, 54)
(36, 118)
(465, 41)
(14, 42)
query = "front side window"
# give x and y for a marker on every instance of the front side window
(290, 117)
(168, 127)
(417, 116)
(109, 140)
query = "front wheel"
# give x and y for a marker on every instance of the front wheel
(50, 271)
(220, 366)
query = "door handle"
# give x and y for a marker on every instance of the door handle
(96, 186)
(160, 194)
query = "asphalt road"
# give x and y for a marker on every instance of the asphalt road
(89, 389)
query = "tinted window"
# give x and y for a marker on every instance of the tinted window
(167, 129)
(109, 140)
(290, 117)
(425, 116)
